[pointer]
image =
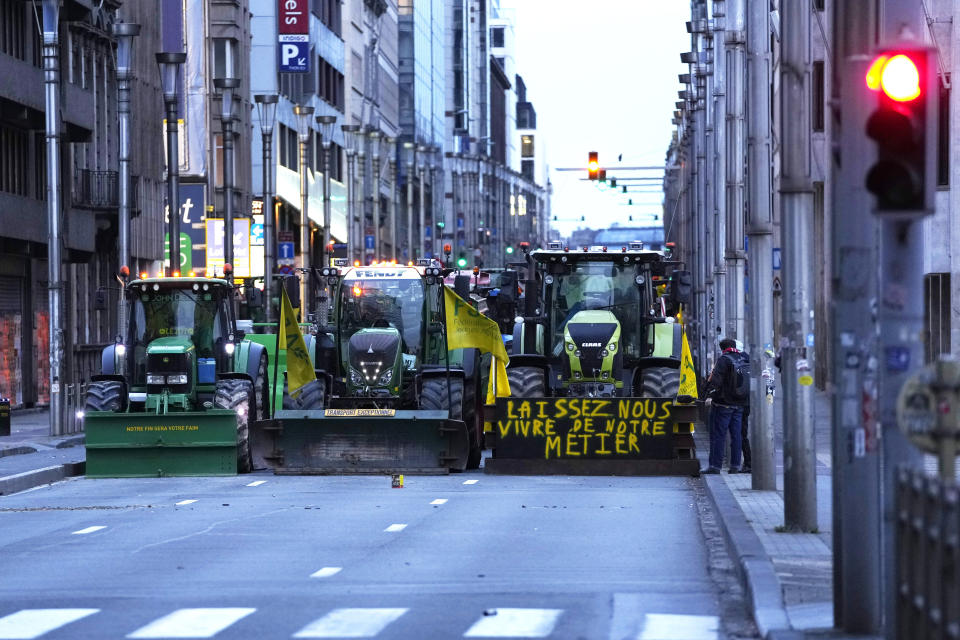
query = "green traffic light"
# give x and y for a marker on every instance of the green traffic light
(441, 224)
(509, 249)
(461, 262)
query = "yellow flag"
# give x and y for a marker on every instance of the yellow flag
(467, 328)
(299, 368)
(688, 376)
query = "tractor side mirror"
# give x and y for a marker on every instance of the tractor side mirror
(291, 284)
(254, 297)
(100, 300)
(681, 287)
(461, 286)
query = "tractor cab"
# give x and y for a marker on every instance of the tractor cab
(181, 333)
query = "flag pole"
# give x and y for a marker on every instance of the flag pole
(446, 344)
(276, 358)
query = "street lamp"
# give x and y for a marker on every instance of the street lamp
(124, 32)
(360, 140)
(410, 151)
(375, 149)
(326, 140)
(434, 154)
(169, 63)
(267, 114)
(390, 148)
(349, 133)
(421, 166)
(304, 114)
(225, 89)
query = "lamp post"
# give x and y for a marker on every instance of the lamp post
(434, 152)
(391, 148)
(303, 114)
(225, 90)
(421, 167)
(169, 64)
(267, 114)
(51, 80)
(409, 150)
(349, 135)
(124, 32)
(360, 140)
(375, 149)
(326, 140)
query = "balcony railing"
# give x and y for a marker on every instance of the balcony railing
(100, 190)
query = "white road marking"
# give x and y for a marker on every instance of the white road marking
(350, 623)
(33, 623)
(257, 483)
(515, 623)
(661, 626)
(88, 530)
(439, 501)
(471, 482)
(326, 572)
(192, 623)
(185, 502)
(396, 527)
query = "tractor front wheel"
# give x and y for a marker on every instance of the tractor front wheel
(433, 396)
(526, 382)
(105, 395)
(312, 395)
(659, 382)
(238, 395)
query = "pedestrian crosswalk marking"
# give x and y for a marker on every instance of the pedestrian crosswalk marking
(185, 502)
(33, 623)
(326, 572)
(88, 530)
(396, 527)
(350, 623)
(471, 482)
(257, 483)
(515, 623)
(661, 626)
(192, 623)
(439, 501)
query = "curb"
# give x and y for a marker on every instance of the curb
(30, 446)
(35, 478)
(16, 451)
(754, 567)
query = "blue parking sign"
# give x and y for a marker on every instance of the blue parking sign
(294, 51)
(368, 242)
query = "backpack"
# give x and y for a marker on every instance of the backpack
(736, 385)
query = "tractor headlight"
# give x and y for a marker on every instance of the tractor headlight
(571, 346)
(356, 378)
(604, 353)
(229, 348)
(385, 378)
(612, 347)
(153, 378)
(577, 375)
(577, 353)
(121, 349)
(605, 375)
(180, 378)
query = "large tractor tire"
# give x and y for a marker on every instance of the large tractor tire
(105, 395)
(261, 388)
(433, 396)
(238, 395)
(659, 382)
(313, 395)
(473, 415)
(526, 382)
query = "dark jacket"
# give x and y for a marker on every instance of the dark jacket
(717, 382)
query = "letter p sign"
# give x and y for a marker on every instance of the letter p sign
(294, 53)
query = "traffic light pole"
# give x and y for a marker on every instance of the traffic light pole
(796, 189)
(733, 209)
(759, 225)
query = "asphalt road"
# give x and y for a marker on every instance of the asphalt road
(265, 556)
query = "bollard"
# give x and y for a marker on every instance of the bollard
(4, 416)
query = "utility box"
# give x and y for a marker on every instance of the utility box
(4, 416)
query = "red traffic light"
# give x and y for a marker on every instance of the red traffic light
(897, 75)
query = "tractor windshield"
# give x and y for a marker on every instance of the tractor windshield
(596, 286)
(384, 303)
(168, 312)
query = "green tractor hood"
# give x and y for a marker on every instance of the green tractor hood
(170, 345)
(374, 358)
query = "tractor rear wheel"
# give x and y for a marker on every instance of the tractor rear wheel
(313, 395)
(526, 382)
(433, 396)
(105, 395)
(238, 395)
(659, 382)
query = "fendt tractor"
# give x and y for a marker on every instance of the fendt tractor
(389, 396)
(178, 391)
(595, 368)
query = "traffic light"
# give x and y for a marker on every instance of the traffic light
(613, 182)
(603, 176)
(462, 261)
(509, 250)
(593, 165)
(904, 126)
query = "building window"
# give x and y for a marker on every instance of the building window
(819, 5)
(14, 157)
(943, 142)
(496, 37)
(330, 85)
(288, 147)
(224, 53)
(818, 92)
(329, 13)
(13, 28)
(526, 146)
(526, 168)
(936, 319)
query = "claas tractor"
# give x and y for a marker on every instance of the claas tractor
(388, 396)
(595, 368)
(180, 387)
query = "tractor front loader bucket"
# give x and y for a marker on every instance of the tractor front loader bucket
(591, 436)
(360, 441)
(145, 445)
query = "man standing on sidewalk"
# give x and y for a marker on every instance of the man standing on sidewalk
(728, 388)
(744, 435)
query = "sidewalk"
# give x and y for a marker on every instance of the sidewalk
(788, 576)
(30, 457)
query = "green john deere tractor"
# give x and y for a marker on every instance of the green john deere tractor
(178, 391)
(595, 356)
(389, 396)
